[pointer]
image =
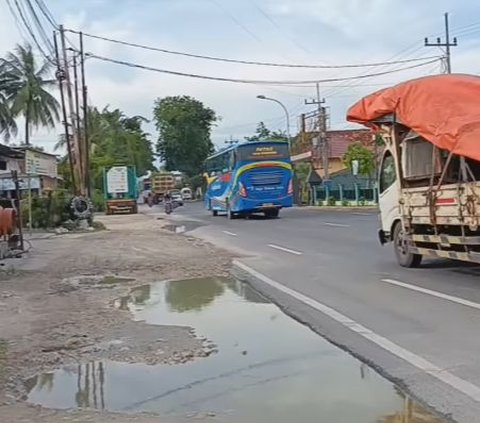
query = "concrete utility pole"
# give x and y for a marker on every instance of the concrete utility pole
(76, 153)
(447, 44)
(322, 131)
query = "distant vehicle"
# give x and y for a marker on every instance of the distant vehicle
(186, 194)
(120, 190)
(160, 184)
(176, 197)
(429, 179)
(253, 177)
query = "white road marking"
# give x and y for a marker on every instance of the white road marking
(338, 225)
(437, 294)
(229, 233)
(287, 250)
(363, 214)
(462, 385)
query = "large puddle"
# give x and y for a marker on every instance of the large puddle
(269, 368)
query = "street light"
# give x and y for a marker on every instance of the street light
(262, 97)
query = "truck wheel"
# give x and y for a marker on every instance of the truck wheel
(405, 258)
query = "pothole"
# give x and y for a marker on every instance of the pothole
(268, 367)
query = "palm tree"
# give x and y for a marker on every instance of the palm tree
(7, 123)
(26, 89)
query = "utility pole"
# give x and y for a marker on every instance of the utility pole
(76, 158)
(322, 131)
(77, 115)
(447, 44)
(60, 74)
(85, 119)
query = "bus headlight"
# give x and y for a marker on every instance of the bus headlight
(290, 187)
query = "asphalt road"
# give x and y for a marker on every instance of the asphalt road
(418, 327)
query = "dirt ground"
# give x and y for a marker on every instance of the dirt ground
(55, 310)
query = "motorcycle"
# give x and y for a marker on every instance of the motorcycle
(168, 206)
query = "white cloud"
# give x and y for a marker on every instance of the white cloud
(334, 31)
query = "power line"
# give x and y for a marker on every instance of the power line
(278, 27)
(40, 28)
(246, 62)
(28, 28)
(46, 12)
(248, 81)
(235, 20)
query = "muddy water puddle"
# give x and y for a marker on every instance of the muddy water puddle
(268, 368)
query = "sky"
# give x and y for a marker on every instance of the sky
(327, 32)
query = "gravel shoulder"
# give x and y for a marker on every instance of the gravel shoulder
(56, 310)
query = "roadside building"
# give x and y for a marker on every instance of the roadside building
(36, 170)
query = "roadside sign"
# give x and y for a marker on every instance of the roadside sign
(117, 180)
(355, 167)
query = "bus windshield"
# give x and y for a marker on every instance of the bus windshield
(264, 151)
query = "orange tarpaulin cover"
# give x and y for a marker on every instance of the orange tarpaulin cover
(443, 109)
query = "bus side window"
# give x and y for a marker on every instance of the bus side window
(231, 164)
(388, 174)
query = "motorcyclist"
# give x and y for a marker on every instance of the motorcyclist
(167, 199)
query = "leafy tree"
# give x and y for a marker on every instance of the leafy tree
(25, 89)
(8, 126)
(114, 139)
(262, 133)
(184, 125)
(365, 158)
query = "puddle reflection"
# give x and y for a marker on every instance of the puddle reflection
(269, 368)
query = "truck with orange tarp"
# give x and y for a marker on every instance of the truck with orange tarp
(429, 179)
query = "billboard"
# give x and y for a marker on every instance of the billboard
(38, 163)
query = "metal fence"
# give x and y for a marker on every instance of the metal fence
(356, 194)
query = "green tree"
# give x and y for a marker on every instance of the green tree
(26, 89)
(365, 158)
(184, 125)
(114, 138)
(8, 126)
(262, 133)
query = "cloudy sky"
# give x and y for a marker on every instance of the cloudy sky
(282, 31)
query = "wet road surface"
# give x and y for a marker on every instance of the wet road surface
(419, 326)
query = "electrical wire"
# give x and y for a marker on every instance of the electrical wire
(30, 31)
(249, 81)
(245, 62)
(235, 20)
(46, 12)
(41, 30)
(275, 24)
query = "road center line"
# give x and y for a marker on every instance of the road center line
(339, 225)
(229, 233)
(437, 294)
(462, 385)
(287, 250)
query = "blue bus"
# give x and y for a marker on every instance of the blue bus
(252, 177)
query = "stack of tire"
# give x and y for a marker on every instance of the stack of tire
(82, 208)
